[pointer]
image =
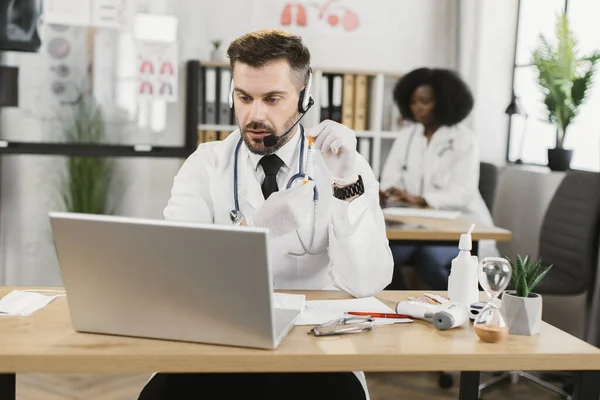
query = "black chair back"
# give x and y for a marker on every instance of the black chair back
(488, 182)
(569, 235)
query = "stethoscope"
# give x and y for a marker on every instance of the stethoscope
(237, 217)
(448, 146)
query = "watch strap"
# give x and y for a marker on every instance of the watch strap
(346, 192)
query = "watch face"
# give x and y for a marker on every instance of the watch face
(346, 192)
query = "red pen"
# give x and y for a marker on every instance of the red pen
(377, 315)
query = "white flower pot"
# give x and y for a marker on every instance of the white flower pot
(219, 54)
(523, 315)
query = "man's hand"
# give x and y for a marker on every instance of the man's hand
(285, 210)
(337, 144)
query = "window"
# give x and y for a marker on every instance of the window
(530, 134)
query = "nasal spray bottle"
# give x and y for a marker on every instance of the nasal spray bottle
(463, 281)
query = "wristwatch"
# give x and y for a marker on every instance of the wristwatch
(355, 189)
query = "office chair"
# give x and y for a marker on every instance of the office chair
(568, 240)
(488, 182)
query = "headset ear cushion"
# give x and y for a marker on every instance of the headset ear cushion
(301, 100)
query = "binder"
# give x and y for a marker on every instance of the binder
(210, 95)
(348, 101)
(210, 136)
(201, 97)
(224, 83)
(364, 148)
(324, 97)
(224, 134)
(335, 94)
(360, 102)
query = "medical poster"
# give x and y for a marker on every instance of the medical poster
(341, 18)
(157, 70)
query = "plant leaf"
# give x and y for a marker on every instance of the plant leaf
(522, 288)
(86, 186)
(539, 278)
(564, 77)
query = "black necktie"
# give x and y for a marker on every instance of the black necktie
(271, 165)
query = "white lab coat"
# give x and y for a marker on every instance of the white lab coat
(445, 172)
(359, 260)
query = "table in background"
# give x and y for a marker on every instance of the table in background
(438, 231)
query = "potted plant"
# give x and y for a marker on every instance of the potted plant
(521, 307)
(565, 78)
(86, 183)
(216, 54)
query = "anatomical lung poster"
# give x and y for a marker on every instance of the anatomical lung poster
(157, 70)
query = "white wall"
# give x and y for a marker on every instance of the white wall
(486, 57)
(424, 36)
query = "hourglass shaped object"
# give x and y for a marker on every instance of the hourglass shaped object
(494, 277)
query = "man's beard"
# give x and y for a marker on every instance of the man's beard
(257, 146)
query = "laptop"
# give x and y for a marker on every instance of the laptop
(169, 280)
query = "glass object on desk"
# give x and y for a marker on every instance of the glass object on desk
(494, 277)
(343, 326)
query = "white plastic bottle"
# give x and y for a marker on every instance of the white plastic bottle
(463, 280)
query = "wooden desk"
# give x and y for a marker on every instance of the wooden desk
(434, 229)
(45, 342)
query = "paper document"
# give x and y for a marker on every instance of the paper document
(319, 311)
(421, 212)
(289, 301)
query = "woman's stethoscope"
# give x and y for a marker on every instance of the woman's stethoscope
(237, 217)
(449, 146)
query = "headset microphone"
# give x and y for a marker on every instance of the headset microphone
(272, 140)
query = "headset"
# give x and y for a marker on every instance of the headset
(304, 101)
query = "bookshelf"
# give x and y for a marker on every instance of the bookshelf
(356, 98)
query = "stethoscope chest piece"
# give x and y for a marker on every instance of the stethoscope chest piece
(236, 216)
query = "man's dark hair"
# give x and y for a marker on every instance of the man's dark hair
(259, 47)
(453, 99)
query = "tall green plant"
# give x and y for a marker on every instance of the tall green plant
(86, 186)
(526, 275)
(564, 77)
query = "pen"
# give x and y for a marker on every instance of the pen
(377, 314)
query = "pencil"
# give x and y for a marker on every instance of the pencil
(377, 314)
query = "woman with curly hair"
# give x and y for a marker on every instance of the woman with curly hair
(433, 163)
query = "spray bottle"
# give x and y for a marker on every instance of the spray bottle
(463, 280)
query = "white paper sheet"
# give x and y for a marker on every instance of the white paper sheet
(420, 212)
(289, 301)
(391, 321)
(319, 311)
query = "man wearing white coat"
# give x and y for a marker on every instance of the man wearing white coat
(244, 180)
